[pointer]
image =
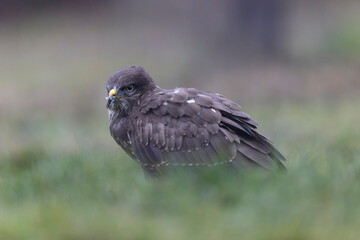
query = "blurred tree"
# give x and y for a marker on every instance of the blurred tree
(259, 25)
(11, 7)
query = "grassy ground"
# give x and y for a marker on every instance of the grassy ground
(96, 192)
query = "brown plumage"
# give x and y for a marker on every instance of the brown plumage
(183, 127)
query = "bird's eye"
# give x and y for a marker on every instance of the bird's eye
(130, 88)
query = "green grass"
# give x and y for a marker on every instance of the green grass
(99, 193)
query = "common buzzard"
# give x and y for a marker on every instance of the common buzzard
(183, 127)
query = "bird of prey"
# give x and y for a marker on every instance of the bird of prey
(183, 127)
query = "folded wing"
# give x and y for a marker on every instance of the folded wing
(187, 127)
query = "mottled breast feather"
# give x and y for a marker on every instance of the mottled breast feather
(187, 127)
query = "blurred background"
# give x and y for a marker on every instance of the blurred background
(294, 66)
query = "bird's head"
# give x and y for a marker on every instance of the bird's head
(125, 88)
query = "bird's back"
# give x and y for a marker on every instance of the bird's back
(185, 127)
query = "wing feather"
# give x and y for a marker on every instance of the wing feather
(188, 127)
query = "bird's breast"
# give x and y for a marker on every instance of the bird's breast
(120, 131)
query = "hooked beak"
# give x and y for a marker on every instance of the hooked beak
(112, 96)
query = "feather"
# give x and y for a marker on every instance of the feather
(202, 135)
(210, 115)
(191, 108)
(154, 154)
(175, 109)
(256, 156)
(147, 155)
(172, 142)
(140, 132)
(240, 114)
(233, 125)
(186, 144)
(161, 132)
(182, 128)
(251, 122)
(160, 111)
(192, 130)
(149, 125)
(224, 149)
(243, 162)
(171, 138)
(178, 142)
(145, 102)
(228, 135)
(204, 100)
(258, 145)
(198, 157)
(192, 92)
(197, 120)
(167, 96)
(155, 139)
(221, 107)
(180, 96)
(146, 134)
(229, 103)
(212, 128)
(154, 103)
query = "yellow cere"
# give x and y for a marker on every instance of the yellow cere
(112, 92)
